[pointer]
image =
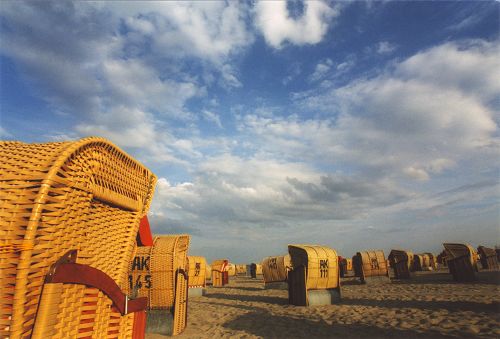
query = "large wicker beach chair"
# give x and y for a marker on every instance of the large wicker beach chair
(70, 215)
(197, 275)
(159, 272)
(275, 271)
(462, 261)
(370, 266)
(314, 278)
(401, 262)
(220, 275)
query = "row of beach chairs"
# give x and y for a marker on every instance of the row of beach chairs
(311, 273)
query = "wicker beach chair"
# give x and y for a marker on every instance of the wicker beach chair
(159, 272)
(401, 262)
(220, 275)
(424, 262)
(208, 272)
(241, 269)
(70, 215)
(258, 269)
(462, 261)
(488, 258)
(315, 277)
(197, 275)
(231, 269)
(370, 266)
(275, 271)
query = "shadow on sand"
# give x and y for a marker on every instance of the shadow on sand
(250, 298)
(262, 323)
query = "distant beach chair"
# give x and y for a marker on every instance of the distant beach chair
(441, 259)
(488, 258)
(314, 278)
(370, 266)
(258, 269)
(220, 276)
(70, 216)
(252, 270)
(401, 262)
(241, 269)
(159, 272)
(345, 266)
(342, 266)
(424, 262)
(208, 272)
(231, 269)
(275, 271)
(197, 270)
(462, 261)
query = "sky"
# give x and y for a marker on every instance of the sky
(354, 125)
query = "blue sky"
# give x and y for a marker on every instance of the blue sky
(355, 125)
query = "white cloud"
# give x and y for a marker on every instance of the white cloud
(322, 68)
(385, 47)
(131, 82)
(277, 26)
(212, 117)
(416, 173)
(471, 67)
(427, 114)
(207, 30)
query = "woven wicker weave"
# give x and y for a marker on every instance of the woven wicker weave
(275, 269)
(157, 272)
(197, 270)
(86, 195)
(314, 268)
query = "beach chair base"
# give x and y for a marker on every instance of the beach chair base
(323, 297)
(196, 292)
(281, 285)
(160, 322)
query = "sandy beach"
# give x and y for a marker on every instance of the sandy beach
(429, 306)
